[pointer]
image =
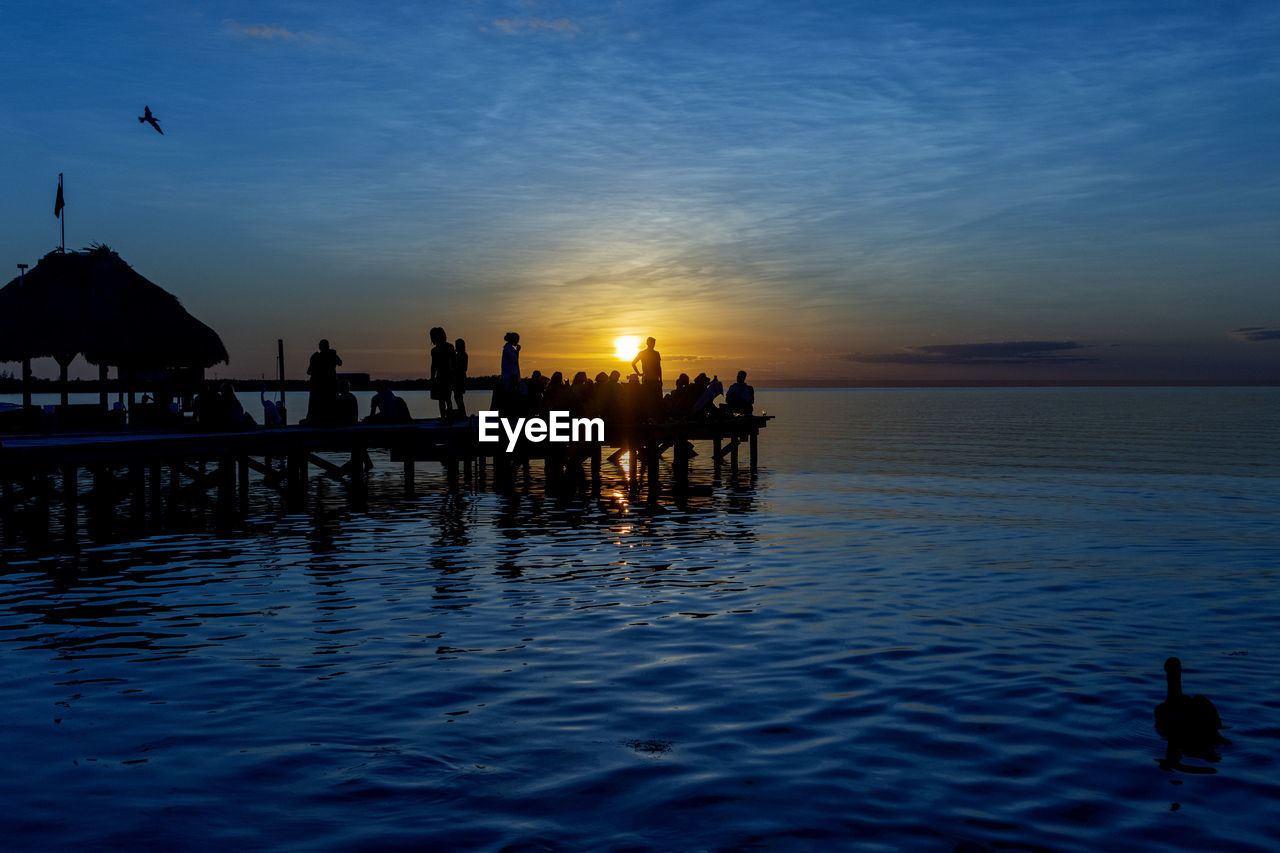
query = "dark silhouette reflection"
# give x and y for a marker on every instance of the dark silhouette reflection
(453, 520)
(1190, 724)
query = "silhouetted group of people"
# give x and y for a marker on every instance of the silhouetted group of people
(217, 407)
(606, 396)
(448, 374)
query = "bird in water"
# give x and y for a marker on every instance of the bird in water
(150, 119)
(1190, 719)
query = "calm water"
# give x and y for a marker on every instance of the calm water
(935, 619)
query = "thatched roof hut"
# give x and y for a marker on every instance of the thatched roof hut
(94, 303)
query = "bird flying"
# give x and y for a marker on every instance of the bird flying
(150, 119)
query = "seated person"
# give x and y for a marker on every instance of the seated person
(678, 403)
(270, 409)
(740, 397)
(382, 408)
(231, 415)
(711, 388)
(402, 412)
(347, 408)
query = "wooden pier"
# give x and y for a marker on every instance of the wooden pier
(96, 481)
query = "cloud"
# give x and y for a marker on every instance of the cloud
(1254, 334)
(265, 32)
(1003, 353)
(513, 26)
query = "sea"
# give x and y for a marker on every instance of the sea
(934, 619)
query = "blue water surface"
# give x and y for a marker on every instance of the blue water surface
(936, 619)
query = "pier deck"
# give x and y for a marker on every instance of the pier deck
(151, 472)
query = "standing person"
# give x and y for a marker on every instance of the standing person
(460, 360)
(509, 381)
(650, 371)
(323, 371)
(442, 372)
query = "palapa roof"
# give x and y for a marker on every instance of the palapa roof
(95, 304)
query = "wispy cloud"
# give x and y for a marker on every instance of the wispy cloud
(266, 32)
(1254, 334)
(517, 26)
(1002, 353)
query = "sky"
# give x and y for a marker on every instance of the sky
(1068, 191)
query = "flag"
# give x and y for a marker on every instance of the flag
(58, 203)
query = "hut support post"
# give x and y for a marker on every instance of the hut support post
(410, 469)
(715, 455)
(63, 363)
(102, 389)
(130, 381)
(755, 449)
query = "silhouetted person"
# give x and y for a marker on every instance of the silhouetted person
(272, 412)
(558, 396)
(204, 406)
(581, 393)
(347, 407)
(509, 380)
(231, 415)
(323, 370)
(442, 367)
(650, 370)
(711, 388)
(460, 363)
(534, 391)
(681, 397)
(382, 408)
(151, 120)
(740, 397)
(402, 411)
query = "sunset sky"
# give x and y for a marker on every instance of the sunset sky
(836, 191)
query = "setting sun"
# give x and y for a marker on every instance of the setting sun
(626, 347)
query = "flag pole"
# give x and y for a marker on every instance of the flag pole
(58, 205)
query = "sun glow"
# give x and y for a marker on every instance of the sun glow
(625, 347)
